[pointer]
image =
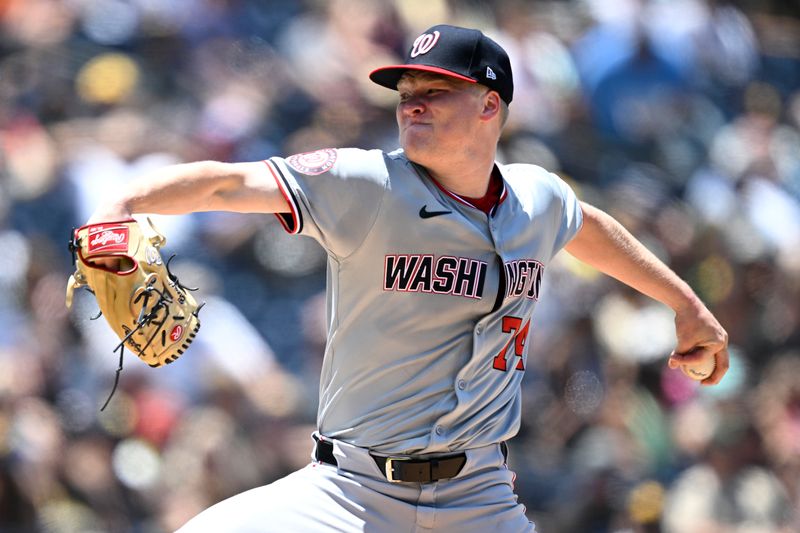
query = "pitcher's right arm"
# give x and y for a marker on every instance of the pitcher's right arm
(192, 187)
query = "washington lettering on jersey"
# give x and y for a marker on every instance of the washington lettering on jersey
(459, 276)
(523, 276)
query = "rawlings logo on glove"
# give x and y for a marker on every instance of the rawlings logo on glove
(144, 303)
(107, 239)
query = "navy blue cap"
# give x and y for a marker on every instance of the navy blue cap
(462, 53)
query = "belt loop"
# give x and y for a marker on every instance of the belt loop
(317, 440)
(434, 469)
(323, 452)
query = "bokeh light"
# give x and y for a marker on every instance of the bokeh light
(583, 393)
(136, 464)
(107, 78)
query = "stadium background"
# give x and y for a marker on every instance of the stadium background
(681, 118)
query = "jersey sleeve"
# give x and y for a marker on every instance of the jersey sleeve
(567, 212)
(334, 195)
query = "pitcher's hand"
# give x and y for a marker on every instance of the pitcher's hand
(700, 336)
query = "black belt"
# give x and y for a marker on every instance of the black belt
(405, 469)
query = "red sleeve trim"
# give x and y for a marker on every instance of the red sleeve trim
(292, 221)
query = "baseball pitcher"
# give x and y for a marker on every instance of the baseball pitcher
(436, 258)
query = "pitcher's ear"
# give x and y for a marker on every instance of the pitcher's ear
(491, 105)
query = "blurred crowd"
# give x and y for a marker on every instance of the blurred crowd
(681, 118)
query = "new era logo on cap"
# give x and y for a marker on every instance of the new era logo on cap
(458, 52)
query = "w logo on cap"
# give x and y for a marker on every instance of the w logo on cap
(461, 53)
(424, 43)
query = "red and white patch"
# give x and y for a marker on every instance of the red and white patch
(107, 238)
(424, 43)
(176, 333)
(313, 163)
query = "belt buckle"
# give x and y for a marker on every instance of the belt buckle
(389, 467)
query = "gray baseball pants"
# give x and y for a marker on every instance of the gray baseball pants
(356, 497)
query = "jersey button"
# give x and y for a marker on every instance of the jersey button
(462, 384)
(439, 430)
(479, 329)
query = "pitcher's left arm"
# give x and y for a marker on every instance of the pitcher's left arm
(606, 245)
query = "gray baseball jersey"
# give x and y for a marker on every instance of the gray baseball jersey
(430, 300)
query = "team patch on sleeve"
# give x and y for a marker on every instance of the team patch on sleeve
(313, 163)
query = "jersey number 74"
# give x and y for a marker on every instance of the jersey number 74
(519, 335)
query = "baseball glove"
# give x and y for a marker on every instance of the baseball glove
(144, 303)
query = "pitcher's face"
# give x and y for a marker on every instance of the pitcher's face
(436, 115)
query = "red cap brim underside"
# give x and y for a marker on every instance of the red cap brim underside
(389, 76)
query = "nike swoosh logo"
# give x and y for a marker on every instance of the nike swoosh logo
(424, 213)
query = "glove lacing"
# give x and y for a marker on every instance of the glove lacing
(147, 318)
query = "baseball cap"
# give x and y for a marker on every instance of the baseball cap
(462, 53)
